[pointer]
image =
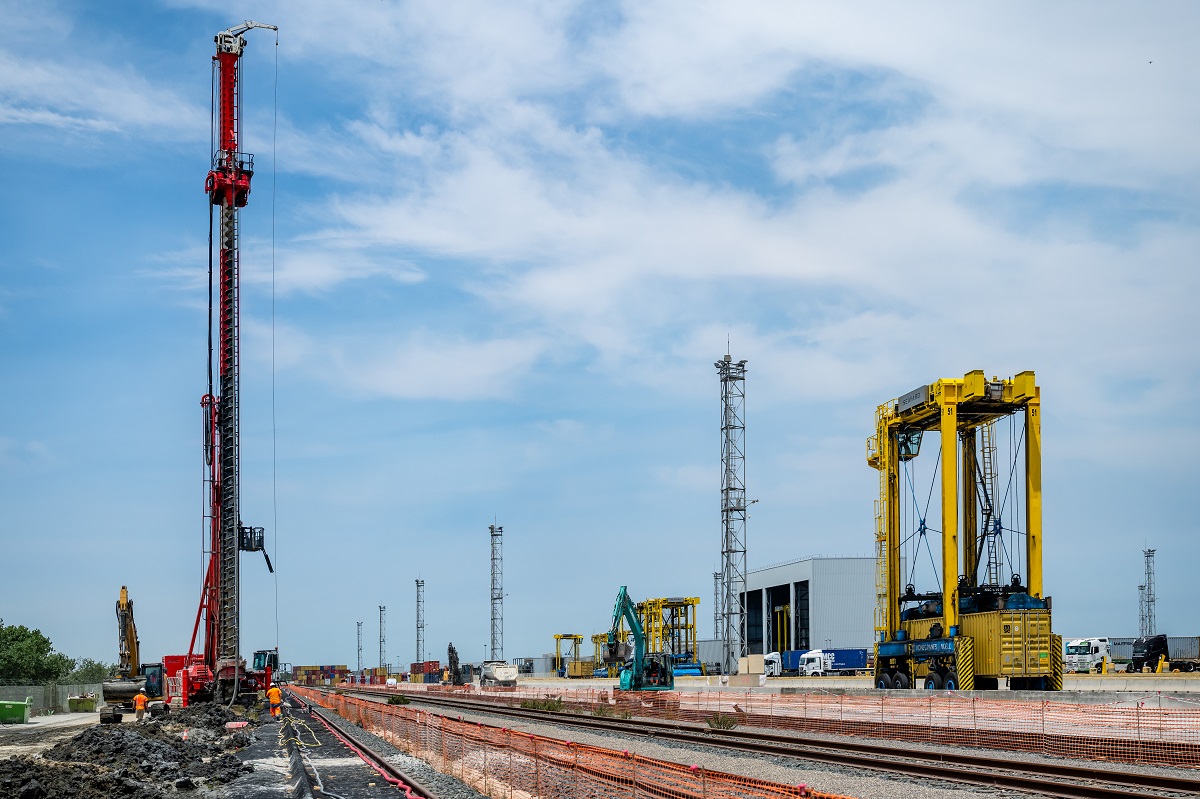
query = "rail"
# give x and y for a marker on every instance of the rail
(1068, 781)
(1142, 734)
(501, 762)
(413, 789)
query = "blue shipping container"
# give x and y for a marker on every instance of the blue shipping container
(846, 659)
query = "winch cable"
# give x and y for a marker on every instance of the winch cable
(274, 498)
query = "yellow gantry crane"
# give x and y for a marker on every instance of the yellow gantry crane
(989, 616)
(561, 664)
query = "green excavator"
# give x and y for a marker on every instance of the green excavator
(644, 671)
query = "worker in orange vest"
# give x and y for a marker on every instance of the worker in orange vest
(275, 697)
(139, 704)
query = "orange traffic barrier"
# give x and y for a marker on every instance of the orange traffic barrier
(499, 762)
(1151, 730)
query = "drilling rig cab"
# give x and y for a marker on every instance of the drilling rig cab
(986, 615)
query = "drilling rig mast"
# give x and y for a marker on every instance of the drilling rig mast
(220, 670)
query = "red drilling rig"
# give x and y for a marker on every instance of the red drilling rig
(218, 672)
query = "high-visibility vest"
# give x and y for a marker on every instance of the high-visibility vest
(275, 696)
(139, 702)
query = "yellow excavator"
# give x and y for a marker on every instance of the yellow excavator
(132, 675)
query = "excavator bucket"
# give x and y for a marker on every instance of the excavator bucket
(618, 652)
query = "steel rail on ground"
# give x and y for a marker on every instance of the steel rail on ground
(412, 788)
(1065, 781)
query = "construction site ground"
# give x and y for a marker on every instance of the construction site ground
(73, 755)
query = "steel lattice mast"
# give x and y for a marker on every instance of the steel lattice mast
(228, 189)
(733, 510)
(1149, 623)
(717, 593)
(497, 535)
(382, 636)
(420, 621)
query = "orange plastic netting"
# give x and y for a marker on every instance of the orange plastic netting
(1153, 730)
(500, 762)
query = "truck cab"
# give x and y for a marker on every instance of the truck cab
(816, 663)
(1147, 651)
(1086, 654)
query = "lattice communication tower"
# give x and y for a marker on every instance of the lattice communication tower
(420, 621)
(1148, 622)
(497, 534)
(717, 635)
(382, 636)
(1142, 610)
(733, 510)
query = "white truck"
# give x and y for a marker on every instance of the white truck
(498, 672)
(1086, 654)
(815, 662)
(824, 662)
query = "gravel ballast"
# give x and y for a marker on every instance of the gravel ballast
(445, 787)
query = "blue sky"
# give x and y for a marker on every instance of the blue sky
(509, 242)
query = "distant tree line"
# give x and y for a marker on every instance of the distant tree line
(28, 657)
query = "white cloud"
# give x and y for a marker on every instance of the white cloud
(23, 455)
(427, 366)
(84, 95)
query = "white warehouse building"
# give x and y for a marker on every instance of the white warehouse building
(812, 603)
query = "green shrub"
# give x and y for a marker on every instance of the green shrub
(550, 705)
(718, 721)
(398, 699)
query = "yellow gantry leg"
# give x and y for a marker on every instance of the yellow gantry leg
(970, 501)
(949, 433)
(1033, 490)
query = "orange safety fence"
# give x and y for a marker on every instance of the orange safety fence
(505, 764)
(1151, 730)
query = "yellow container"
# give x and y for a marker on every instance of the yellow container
(1008, 643)
(580, 668)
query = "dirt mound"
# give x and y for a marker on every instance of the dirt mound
(149, 760)
(208, 715)
(30, 778)
(148, 753)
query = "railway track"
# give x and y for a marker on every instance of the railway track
(1064, 780)
(405, 783)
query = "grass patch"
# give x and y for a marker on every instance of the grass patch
(603, 711)
(398, 699)
(549, 705)
(718, 721)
